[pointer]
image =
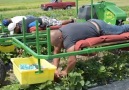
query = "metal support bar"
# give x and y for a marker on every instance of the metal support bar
(38, 50)
(24, 29)
(91, 9)
(76, 8)
(2, 24)
(48, 41)
(84, 51)
(37, 38)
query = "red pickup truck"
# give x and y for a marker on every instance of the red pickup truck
(57, 4)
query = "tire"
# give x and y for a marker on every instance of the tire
(49, 8)
(119, 22)
(69, 7)
(2, 72)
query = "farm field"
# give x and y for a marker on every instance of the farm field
(10, 8)
(32, 7)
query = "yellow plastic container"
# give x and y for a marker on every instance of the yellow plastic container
(7, 48)
(29, 76)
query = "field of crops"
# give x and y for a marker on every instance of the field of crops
(32, 7)
(10, 8)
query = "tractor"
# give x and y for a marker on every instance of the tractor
(107, 11)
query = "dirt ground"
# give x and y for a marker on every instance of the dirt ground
(10, 77)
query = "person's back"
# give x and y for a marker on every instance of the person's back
(28, 21)
(77, 31)
(17, 27)
(17, 19)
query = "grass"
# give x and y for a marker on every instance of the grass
(24, 7)
(28, 7)
(32, 7)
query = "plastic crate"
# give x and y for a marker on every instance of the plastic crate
(30, 76)
(7, 48)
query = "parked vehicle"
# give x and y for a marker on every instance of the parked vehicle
(57, 4)
(104, 10)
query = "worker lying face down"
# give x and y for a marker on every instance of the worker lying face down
(16, 19)
(68, 35)
(30, 23)
(17, 27)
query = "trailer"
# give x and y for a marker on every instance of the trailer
(43, 38)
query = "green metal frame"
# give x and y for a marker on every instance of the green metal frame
(20, 40)
(24, 44)
(107, 11)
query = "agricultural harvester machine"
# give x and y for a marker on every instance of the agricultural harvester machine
(103, 10)
(107, 11)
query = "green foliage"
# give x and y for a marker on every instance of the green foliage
(11, 87)
(6, 56)
(74, 81)
(126, 8)
(106, 69)
(92, 72)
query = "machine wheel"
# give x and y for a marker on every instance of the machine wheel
(49, 8)
(2, 72)
(68, 7)
(119, 22)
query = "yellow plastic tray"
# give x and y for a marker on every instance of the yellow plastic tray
(7, 48)
(29, 76)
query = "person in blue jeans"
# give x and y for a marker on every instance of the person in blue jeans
(108, 29)
(68, 35)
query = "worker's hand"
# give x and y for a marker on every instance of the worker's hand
(57, 74)
(63, 73)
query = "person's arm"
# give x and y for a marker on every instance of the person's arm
(71, 62)
(64, 22)
(56, 61)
